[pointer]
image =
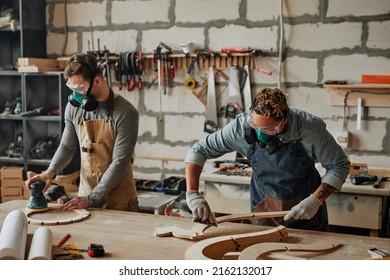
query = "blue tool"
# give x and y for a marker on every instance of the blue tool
(37, 200)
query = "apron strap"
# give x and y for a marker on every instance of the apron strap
(110, 104)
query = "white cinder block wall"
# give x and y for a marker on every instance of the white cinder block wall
(322, 40)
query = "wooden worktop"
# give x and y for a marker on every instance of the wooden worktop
(127, 235)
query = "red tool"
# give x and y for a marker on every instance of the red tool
(140, 83)
(132, 83)
(261, 70)
(63, 240)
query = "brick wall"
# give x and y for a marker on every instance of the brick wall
(323, 39)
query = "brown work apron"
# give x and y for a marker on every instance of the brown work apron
(96, 147)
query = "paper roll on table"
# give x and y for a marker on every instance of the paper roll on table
(41, 244)
(13, 236)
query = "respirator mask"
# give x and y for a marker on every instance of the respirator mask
(88, 102)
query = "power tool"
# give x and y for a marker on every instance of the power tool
(38, 200)
(363, 178)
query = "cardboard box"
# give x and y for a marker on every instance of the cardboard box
(11, 172)
(17, 182)
(9, 198)
(12, 192)
(358, 168)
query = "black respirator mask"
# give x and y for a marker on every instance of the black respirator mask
(88, 102)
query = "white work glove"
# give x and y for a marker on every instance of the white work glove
(200, 208)
(306, 209)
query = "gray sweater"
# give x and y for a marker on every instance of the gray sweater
(124, 124)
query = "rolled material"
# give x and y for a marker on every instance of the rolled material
(13, 236)
(41, 244)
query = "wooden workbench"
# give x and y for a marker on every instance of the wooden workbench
(127, 235)
(358, 206)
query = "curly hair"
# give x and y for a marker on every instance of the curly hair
(270, 102)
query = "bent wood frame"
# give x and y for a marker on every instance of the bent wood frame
(196, 232)
(79, 214)
(216, 248)
(255, 252)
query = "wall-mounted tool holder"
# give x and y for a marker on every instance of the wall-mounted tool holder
(220, 61)
(372, 95)
(205, 60)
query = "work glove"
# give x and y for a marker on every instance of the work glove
(306, 209)
(200, 208)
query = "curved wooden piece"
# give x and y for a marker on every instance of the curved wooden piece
(255, 252)
(215, 248)
(55, 216)
(196, 232)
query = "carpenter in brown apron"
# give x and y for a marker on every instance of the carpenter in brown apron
(96, 147)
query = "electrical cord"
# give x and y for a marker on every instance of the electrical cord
(281, 34)
(66, 28)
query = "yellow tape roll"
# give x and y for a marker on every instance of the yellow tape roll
(189, 83)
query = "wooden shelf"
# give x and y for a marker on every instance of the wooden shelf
(373, 95)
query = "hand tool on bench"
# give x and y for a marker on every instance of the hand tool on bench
(377, 253)
(378, 182)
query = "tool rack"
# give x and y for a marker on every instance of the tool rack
(182, 61)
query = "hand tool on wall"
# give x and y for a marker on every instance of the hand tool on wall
(106, 66)
(234, 103)
(189, 82)
(198, 93)
(211, 122)
(261, 70)
(158, 59)
(128, 70)
(247, 92)
(140, 69)
(119, 70)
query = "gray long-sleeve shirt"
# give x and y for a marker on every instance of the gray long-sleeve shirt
(124, 123)
(311, 130)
